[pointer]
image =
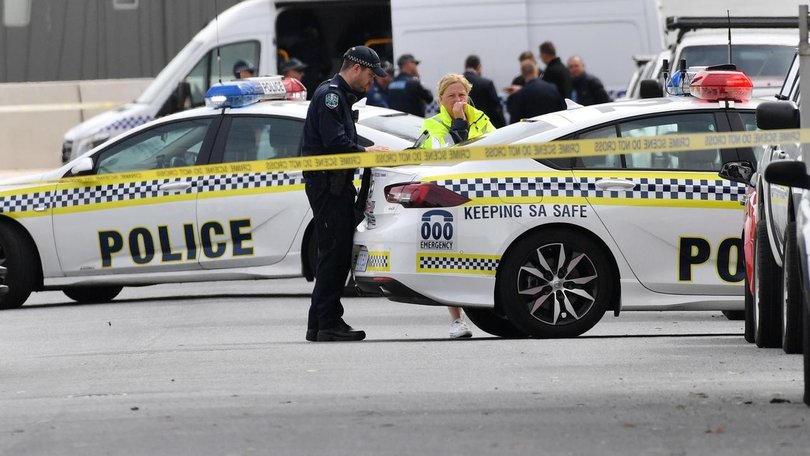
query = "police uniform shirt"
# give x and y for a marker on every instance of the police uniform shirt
(329, 126)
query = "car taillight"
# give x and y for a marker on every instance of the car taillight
(418, 194)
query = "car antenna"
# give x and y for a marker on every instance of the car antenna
(219, 60)
(728, 14)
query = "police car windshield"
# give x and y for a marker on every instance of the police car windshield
(512, 133)
(168, 73)
(401, 125)
(755, 60)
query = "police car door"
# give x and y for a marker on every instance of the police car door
(136, 212)
(676, 222)
(253, 216)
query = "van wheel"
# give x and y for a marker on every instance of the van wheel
(554, 284)
(769, 293)
(492, 322)
(18, 257)
(92, 295)
(792, 295)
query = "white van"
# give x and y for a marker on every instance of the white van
(605, 34)
(259, 31)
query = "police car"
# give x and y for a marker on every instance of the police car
(181, 199)
(545, 247)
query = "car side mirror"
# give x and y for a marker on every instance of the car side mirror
(650, 88)
(789, 173)
(82, 166)
(738, 171)
(776, 115)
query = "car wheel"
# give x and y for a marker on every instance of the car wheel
(734, 314)
(806, 350)
(769, 293)
(554, 284)
(748, 333)
(792, 295)
(19, 258)
(492, 322)
(92, 295)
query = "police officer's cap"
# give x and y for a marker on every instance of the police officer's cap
(293, 64)
(365, 56)
(243, 65)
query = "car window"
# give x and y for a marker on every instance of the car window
(700, 160)
(207, 71)
(165, 146)
(604, 161)
(262, 138)
(755, 60)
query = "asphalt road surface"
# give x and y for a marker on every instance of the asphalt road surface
(223, 369)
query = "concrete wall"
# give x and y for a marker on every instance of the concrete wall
(34, 116)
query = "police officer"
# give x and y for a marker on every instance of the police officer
(243, 69)
(329, 129)
(405, 92)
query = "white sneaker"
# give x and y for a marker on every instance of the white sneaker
(459, 328)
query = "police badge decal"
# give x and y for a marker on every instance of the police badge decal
(331, 100)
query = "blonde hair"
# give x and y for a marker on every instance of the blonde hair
(452, 78)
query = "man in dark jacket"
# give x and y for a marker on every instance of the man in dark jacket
(585, 88)
(483, 94)
(405, 92)
(329, 129)
(536, 97)
(555, 72)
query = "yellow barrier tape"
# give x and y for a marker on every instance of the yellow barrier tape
(554, 149)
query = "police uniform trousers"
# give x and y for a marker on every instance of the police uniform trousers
(333, 216)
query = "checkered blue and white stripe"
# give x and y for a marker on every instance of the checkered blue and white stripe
(646, 188)
(458, 263)
(141, 190)
(127, 123)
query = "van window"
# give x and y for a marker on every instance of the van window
(209, 71)
(262, 138)
(755, 60)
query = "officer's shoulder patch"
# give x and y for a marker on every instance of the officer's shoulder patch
(331, 100)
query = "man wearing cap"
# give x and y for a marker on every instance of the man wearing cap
(378, 94)
(329, 129)
(293, 68)
(243, 69)
(405, 92)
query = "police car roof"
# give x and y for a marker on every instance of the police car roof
(750, 36)
(279, 107)
(561, 123)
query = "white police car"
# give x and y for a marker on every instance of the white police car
(544, 248)
(184, 198)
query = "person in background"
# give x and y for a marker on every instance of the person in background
(456, 121)
(535, 97)
(405, 92)
(586, 89)
(483, 94)
(329, 128)
(293, 68)
(243, 69)
(555, 72)
(520, 79)
(378, 94)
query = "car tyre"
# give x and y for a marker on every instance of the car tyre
(554, 284)
(92, 295)
(792, 295)
(748, 333)
(769, 293)
(19, 258)
(806, 350)
(492, 322)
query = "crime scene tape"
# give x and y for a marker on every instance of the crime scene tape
(44, 107)
(552, 149)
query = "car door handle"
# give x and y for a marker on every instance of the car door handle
(175, 186)
(615, 184)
